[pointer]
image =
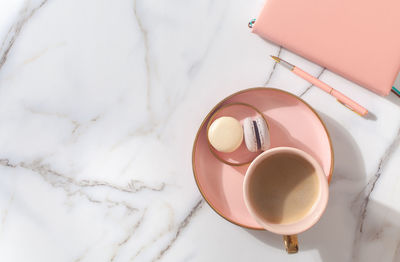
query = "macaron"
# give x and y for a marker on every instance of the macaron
(225, 134)
(256, 134)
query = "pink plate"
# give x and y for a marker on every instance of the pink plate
(292, 122)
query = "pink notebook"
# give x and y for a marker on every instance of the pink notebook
(358, 39)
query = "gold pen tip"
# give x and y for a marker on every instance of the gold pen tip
(277, 59)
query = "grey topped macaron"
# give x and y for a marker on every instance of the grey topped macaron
(256, 134)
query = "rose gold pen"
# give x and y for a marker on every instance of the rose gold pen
(346, 101)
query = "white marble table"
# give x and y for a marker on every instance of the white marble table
(99, 105)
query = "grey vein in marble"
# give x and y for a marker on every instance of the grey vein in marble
(5, 214)
(273, 68)
(143, 31)
(180, 228)
(59, 180)
(15, 30)
(157, 237)
(131, 232)
(369, 188)
(82, 256)
(374, 179)
(47, 173)
(74, 123)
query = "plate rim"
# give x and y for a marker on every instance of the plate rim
(216, 107)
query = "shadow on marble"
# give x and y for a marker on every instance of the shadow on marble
(377, 235)
(371, 116)
(333, 235)
(393, 98)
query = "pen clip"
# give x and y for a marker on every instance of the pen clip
(348, 107)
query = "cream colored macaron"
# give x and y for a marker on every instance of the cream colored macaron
(225, 134)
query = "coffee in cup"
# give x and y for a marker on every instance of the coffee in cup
(285, 190)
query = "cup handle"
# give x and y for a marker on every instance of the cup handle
(291, 243)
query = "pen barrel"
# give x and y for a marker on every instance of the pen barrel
(327, 88)
(349, 103)
(312, 80)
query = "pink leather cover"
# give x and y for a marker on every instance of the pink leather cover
(357, 39)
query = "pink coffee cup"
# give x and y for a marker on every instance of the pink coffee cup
(258, 211)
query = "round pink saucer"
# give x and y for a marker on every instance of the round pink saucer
(292, 122)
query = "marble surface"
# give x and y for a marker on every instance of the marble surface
(100, 102)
